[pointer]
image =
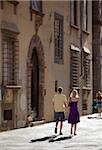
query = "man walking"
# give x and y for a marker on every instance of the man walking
(59, 102)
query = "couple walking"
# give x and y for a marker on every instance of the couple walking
(60, 102)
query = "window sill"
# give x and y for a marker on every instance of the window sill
(37, 12)
(76, 87)
(74, 26)
(14, 2)
(13, 86)
(86, 32)
(86, 88)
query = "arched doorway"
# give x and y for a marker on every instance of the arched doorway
(35, 84)
(35, 78)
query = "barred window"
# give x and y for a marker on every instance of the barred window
(10, 58)
(74, 65)
(58, 38)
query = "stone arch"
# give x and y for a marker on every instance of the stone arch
(35, 43)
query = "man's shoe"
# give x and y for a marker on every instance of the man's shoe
(55, 130)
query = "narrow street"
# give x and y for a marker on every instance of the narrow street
(42, 137)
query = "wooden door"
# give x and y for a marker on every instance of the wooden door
(35, 85)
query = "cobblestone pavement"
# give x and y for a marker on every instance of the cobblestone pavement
(42, 137)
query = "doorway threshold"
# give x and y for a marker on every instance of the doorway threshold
(36, 123)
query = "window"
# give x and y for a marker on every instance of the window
(86, 70)
(74, 12)
(36, 8)
(74, 65)
(58, 38)
(85, 15)
(36, 5)
(10, 59)
(86, 66)
(7, 114)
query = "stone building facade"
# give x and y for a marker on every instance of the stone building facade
(43, 45)
(97, 46)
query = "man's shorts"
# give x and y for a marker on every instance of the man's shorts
(59, 116)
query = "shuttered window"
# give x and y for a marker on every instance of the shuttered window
(86, 70)
(75, 56)
(58, 38)
(10, 59)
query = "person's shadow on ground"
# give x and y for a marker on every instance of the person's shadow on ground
(52, 138)
(96, 117)
(60, 138)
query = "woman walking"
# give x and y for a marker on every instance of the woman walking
(73, 117)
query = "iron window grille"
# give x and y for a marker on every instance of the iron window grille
(10, 53)
(58, 38)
